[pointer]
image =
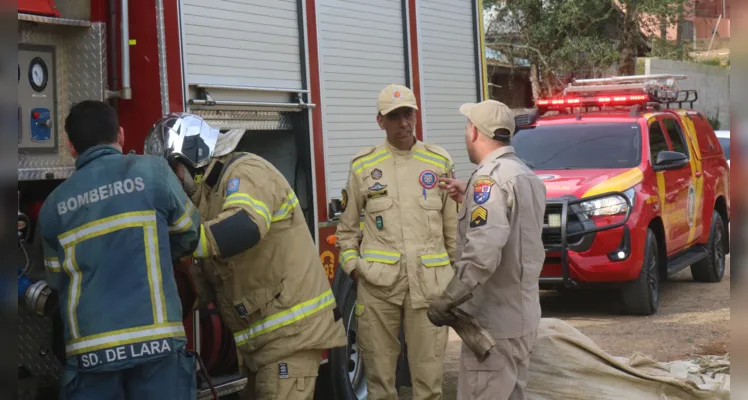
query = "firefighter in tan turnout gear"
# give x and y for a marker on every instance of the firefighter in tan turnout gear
(405, 257)
(259, 263)
(499, 256)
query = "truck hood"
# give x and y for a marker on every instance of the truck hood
(588, 182)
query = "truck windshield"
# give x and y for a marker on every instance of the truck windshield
(579, 146)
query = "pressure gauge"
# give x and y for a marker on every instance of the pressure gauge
(38, 74)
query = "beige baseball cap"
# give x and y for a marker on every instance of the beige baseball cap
(395, 96)
(488, 116)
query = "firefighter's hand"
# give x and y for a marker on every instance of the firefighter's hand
(354, 276)
(439, 311)
(188, 181)
(454, 188)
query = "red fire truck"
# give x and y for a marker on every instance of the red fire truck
(299, 76)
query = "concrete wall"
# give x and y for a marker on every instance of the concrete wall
(712, 84)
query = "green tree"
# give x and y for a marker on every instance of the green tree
(566, 39)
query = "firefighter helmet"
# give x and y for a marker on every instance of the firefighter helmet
(182, 137)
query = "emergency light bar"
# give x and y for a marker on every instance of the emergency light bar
(620, 91)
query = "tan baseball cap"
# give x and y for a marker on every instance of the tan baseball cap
(488, 116)
(395, 96)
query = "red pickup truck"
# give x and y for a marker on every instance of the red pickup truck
(637, 187)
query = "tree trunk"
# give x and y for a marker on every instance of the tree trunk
(626, 61)
(534, 82)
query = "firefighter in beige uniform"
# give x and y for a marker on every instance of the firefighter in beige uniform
(263, 271)
(499, 256)
(405, 258)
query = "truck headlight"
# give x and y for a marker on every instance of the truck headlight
(611, 205)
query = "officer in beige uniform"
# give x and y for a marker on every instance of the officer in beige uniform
(499, 255)
(260, 264)
(405, 257)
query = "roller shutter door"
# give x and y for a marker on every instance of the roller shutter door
(362, 50)
(242, 43)
(448, 59)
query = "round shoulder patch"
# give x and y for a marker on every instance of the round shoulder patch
(232, 186)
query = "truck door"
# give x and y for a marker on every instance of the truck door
(679, 191)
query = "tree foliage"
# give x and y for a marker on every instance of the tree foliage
(566, 39)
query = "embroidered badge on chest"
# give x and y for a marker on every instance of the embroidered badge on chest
(377, 187)
(232, 186)
(283, 370)
(428, 179)
(376, 174)
(482, 190)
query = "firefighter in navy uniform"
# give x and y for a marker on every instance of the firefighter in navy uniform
(109, 235)
(260, 264)
(408, 247)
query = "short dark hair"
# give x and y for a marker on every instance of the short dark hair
(502, 135)
(91, 123)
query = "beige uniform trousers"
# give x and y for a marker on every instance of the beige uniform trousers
(292, 378)
(502, 376)
(378, 339)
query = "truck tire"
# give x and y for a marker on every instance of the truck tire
(712, 268)
(642, 296)
(346, 364)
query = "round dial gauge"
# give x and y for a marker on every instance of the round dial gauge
(38, 74)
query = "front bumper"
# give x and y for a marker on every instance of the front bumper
(574, 247)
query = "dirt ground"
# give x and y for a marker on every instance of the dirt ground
(693, 319)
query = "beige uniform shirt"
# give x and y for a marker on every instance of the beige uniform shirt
(275, 296)
(499, 248)
(407, 244)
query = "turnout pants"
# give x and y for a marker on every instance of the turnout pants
(291, 378)
(168, 377)
(378, 331)
(502, 376)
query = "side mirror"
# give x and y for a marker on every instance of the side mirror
(670, 160)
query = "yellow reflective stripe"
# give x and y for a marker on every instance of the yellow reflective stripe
(185, 221)
(202, 245)
(385, 257)
(247, 200)
(124, 337)
(74, 290)
(431, 158)
(146, 220)
(435, 260)
(347, 255)
(277, 321)
(155, 279)
(107, 225)
(286, 208)
(369, 161)
(52, 264)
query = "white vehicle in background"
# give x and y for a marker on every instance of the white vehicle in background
(724, 140)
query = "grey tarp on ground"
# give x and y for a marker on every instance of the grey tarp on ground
(566, 364)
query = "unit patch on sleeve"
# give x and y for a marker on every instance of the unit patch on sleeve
(482, 190)
(232, 186)
(479, 217)
(344, 201)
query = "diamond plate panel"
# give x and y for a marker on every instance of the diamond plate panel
(80, 64)
(250, 120)
(35, 346)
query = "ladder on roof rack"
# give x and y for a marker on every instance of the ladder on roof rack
(662, 88)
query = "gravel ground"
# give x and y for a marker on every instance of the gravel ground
(693, 319)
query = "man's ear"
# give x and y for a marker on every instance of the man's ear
(474, 134)
(121, 137)
(71, 148)
(380, 121)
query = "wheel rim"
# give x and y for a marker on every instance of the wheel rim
(355, 361)
(719, 250)
(653, 277)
